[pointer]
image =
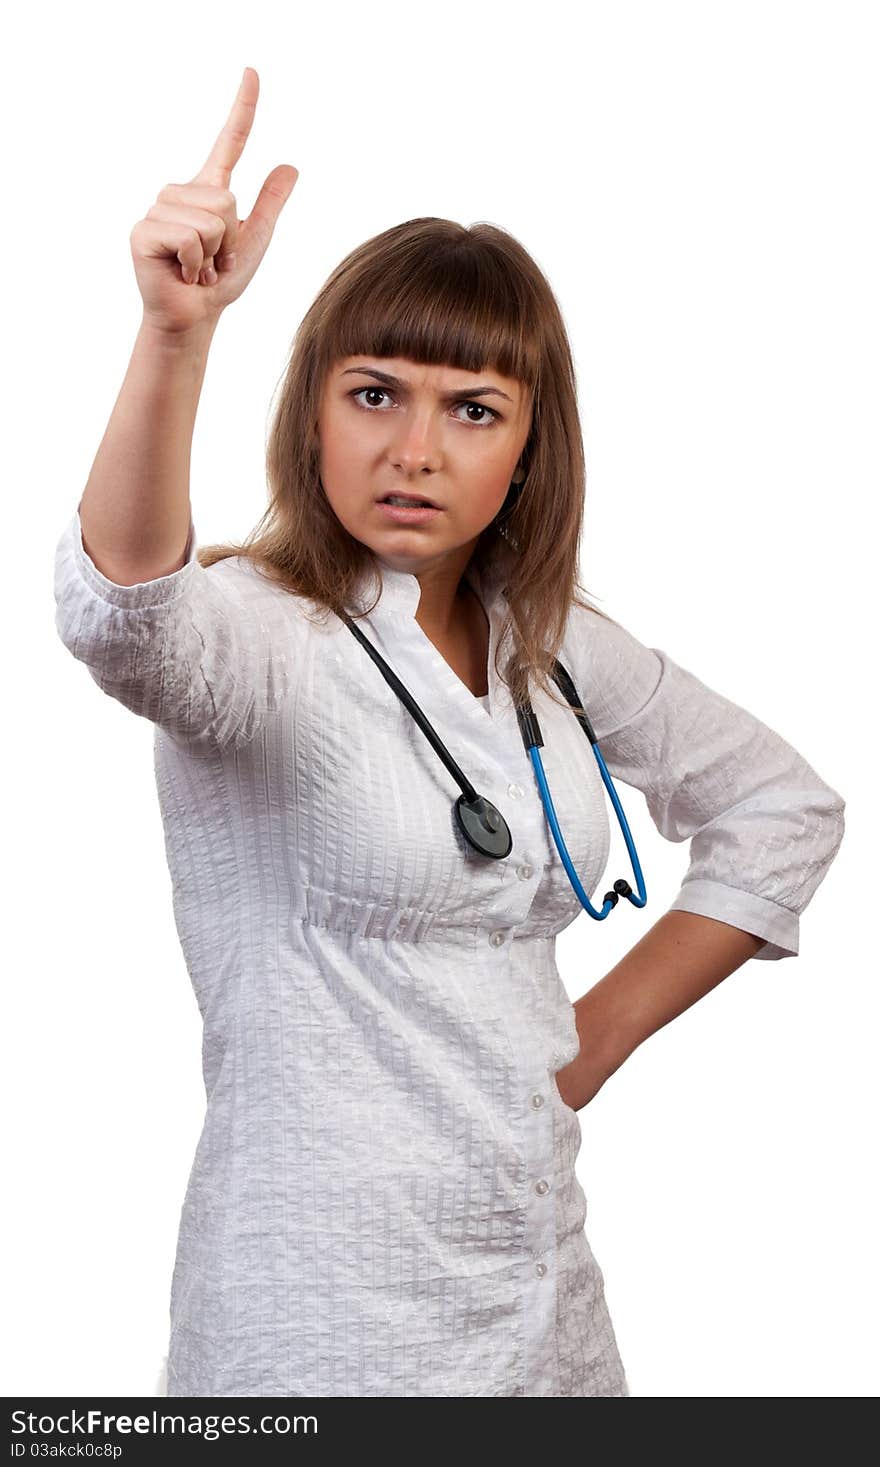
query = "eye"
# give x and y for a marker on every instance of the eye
(469, 403)
(359, 392)
(466, 403)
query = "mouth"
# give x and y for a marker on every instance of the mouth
(409, 501)
(408, 509)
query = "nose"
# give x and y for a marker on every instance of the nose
(415, 445)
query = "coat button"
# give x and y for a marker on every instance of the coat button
(523, 872)
(542, 1187)
(540, 1269)
(496, 939)
(537, 1101)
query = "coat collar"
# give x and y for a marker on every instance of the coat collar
(400, 590)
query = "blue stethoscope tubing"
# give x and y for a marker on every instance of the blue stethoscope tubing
(532, 740)
(482, 825)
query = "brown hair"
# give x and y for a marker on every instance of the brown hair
(432, 291)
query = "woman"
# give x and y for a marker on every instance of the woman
(383, 1200)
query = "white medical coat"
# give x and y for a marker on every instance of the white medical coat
(383, 1200)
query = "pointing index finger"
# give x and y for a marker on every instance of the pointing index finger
(233, 135)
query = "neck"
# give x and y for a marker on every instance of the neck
(445, 596)
(444, 619)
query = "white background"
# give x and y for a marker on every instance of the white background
(699, 183)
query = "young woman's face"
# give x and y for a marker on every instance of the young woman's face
(391, 426)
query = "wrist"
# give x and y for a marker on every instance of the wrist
(193, 340)
(603, 1030)
(604, 1045)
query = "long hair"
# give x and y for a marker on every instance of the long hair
(433, 291)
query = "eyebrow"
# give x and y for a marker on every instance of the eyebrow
(390, 381)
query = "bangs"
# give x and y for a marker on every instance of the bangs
(438, 301)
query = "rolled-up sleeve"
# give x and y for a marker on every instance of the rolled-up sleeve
(189, 651)
(763, 826)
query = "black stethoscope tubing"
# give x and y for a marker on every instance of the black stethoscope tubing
(482, 825)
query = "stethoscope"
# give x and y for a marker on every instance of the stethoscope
(482, 825)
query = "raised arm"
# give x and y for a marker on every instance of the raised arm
(192, 258)
(185, 646)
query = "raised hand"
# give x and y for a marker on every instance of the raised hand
(192, 255)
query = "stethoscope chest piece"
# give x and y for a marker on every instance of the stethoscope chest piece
(481, 824)
(483, 827)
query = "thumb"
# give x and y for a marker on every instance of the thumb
(260, 223)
